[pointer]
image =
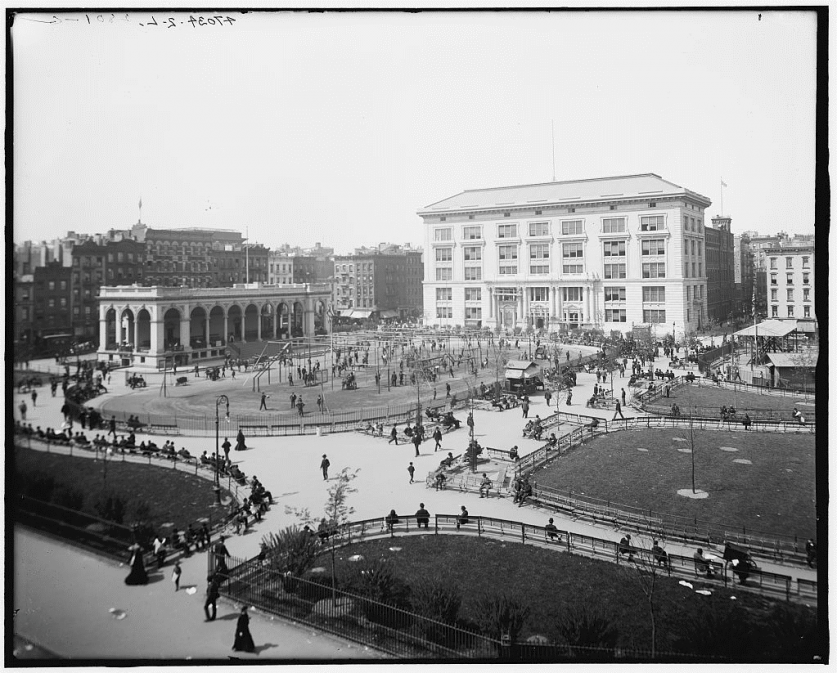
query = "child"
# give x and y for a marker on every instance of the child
(175, 575)
(411, 470)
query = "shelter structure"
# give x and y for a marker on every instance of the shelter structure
(159, 326)
(524, 373)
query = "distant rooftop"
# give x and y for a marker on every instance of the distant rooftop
(645, 185)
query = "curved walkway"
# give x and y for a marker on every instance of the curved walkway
(289, 467)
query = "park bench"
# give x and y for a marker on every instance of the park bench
(256, 429)
(163, 429)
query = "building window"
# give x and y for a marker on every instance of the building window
(51, 303)
(805, 263)
(616, 315)
(473, 293)
(52, 285)
(508, 269)
(775, 311)
(473, 253)
(443, 219)
(472, 233)
(539, 251)
(789, 279)
(790, 311)
(444, 312)
(63, 302)
(75, 310)
(652, 223)
(440, 234)
(612, 271)
(774, 295)
(573, 254)
(806, 311)
(653, 315)
(506, 231)
(806, 294)
(614, 293)
(473, 273)
(700, 269)
(654, 294)
(507, 214)
(572, 227)
(444, 294)
(539, 293)
(473, 313)
(539, 269)
(613, 225)
(788, 262)
(507, 252)
(805, 279)
(774, 279)
(790, 295)
(572, 293)
(444, 273)
(444, 254)
(539, 229)
(774, 263)
(654, 270)
(614, 248)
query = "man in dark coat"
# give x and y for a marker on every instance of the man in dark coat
(417, 441)
(437, 435)
(422, 516)
(324, 465)
(212, 594)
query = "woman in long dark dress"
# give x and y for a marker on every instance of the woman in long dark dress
(243, 639)
(137, 574)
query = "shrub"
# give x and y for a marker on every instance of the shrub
(111, 507)
(40, 486)
(69, 497)
(376, 579)
(583, 626)
(438, 600)
(501, 615)
(292, 550)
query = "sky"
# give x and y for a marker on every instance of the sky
(337, 127)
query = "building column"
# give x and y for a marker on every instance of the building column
(158, 337)
(185, 325)
(490, 302)
(226, 335)
(274, 311)
(587, 316)
(258, 323)
(206, 334)
(526, 308)
(103, 327)
(136, 332)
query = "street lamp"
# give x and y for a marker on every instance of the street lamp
(217, 487)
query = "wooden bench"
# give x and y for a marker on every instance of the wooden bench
(258, 430)
(162, 429)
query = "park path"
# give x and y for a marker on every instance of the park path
(289, 468)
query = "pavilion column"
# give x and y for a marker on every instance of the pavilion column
(158, 337)
(258, 323)
(587, 304)
(226, 335)
(206, 334)
(103, 327)
(185, 327)
(136, 332)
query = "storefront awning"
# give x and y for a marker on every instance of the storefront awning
(360, 313)
(769, 328)
(389, 313)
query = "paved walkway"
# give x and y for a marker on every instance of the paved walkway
(289, 467)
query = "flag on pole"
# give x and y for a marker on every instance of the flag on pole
(330, 312)
(723, 184)
(140, 203)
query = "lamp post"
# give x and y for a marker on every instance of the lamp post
(217, 487)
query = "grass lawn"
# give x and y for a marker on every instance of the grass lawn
(552, 583)
(710, 399)
(774, 494)
(172, 496)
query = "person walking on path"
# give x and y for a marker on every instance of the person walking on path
(525, 407)
(548, 397)
(290, 379)
(160, 550)
(412, 471)
(447, 389)
(263, 404)
(112, 426)
(293, 400)
(221, 555)
(324, 465)
(243, 640)
(569, 397)
(226, 446)
(300, 405)
(416, 442)
(212, 594)
(623, 396)
(176, 572)
(34, 398)
(22, 408)
(393, 435)
(137, 574)
(437, 435)
(618, 410)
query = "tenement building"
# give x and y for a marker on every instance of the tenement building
(604, 252)
(720, 269)
(790, 284)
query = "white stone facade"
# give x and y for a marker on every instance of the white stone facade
(790, 283)
(608, 253)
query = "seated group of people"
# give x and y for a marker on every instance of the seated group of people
(522, 490)
(505, 402)
(376, 430)
(727, 413)
(534, 428)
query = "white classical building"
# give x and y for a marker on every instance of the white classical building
(604, 252)
(148, 326)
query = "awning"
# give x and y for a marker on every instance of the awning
(389, 313)
(806, 326)
(360, 313)
(769, 328)
(522, 369)
(800, 359)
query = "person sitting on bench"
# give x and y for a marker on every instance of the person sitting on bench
(463, 517)
(447, 462)
(552, 530)
(525, 492)
(702, 564)
(485, 486)
(659, 554)
(440, 480)
(513, 453)
(553, 441)
(392, 519)
(422, 516)
(625, 547)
